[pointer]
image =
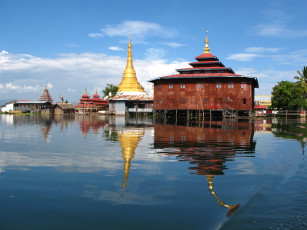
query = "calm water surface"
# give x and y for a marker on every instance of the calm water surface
(95, 172)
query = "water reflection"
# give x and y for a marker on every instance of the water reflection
(129, 139)
(207, 146)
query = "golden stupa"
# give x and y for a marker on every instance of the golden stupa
(129, 140)
(129, 83)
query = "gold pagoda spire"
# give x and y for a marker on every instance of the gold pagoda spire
(206, 49)
(85, 92)
(129, 81)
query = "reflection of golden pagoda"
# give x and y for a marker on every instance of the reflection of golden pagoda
(231, 208)
(129, 140)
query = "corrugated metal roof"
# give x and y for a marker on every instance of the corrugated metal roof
(32, 102)
(144, 97)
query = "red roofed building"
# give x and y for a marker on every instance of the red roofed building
(207, 88)
(88, 105)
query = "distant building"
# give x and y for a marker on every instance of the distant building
(131, 97)
(8, 107)
(207, 88)
(26, 106)
(90, 105)
(46, 96)
(43, 105)
(63, 108)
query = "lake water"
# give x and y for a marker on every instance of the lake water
(96, 172)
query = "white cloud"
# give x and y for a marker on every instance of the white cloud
(69, 74)
(20, 88)
(72, 45)
(260, 50)
(153, 53)
(173, 44)
(243, 56)
(115, 48)
(267, 78)
(137, 29)
(95, 35)
(71, 90)
(295, 57)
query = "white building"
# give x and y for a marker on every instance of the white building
(8, 107)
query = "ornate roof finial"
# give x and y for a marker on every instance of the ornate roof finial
(85, 93)
(206, 49)
(96, 92)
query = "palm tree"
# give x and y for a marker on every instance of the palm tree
(302, 78)
(110, 90)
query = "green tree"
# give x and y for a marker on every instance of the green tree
(302, 79)
(288, 95)
(110, 89)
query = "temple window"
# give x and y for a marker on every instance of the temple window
(206, 100)
(170, 86)
(243, 85)
(182, 86)
(218, 85)
(230, 85)
(182, 100)
(199, 85)
(244, 101)
(159, 86)
(160, 101)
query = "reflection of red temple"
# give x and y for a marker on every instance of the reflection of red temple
(207, 148)
(95, 104)
(90, 122)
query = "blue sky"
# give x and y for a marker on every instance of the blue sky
(70, 45)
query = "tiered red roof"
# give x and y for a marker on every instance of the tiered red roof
(206, 66)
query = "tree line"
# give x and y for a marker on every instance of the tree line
(291, 95)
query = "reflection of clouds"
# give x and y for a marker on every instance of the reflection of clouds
(77, 162)
(7, 119)
(116, 197)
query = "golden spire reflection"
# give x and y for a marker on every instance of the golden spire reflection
(206, 49)
(129, 140)
(231, 208)
(129, 81)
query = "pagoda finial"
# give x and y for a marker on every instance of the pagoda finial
(96, 92)
(206, 49)
(85, 92)
(45, 87)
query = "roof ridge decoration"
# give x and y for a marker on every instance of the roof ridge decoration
(206, 49)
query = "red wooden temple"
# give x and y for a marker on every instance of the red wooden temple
(208, 88)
